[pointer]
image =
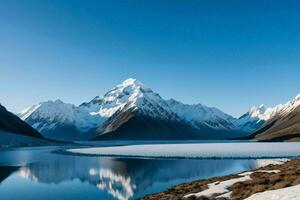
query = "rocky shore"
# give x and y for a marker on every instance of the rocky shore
(237, 186)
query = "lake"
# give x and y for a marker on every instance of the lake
(36, 173)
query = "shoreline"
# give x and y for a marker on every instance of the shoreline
(267, 178)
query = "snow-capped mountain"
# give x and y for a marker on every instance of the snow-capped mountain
(257, 116)
(282, 123)
(131, 110)
(59, 120)
(131, 94)
(252, 120)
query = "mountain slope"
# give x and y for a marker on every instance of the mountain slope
(199, 115)
(127, 125)
(130, 110)
(284, 125)
(13, 124)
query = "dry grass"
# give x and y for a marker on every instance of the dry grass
(289, 175)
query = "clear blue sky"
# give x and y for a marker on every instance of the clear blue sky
(227, 54)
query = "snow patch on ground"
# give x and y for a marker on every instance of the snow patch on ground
(264, 162)
(219, 187)
(289, 193)
(261, 171)
(222, 187)
(226, 195)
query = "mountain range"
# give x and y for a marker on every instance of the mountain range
(133, 111)
(130, 110)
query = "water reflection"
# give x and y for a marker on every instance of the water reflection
(114, 178)
(117, 185)
(6, 172)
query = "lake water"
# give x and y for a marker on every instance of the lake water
(36, 173)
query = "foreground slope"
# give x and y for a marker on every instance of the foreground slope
(13, 124)
(15, 132)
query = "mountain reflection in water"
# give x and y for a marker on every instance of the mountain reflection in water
(113, 178)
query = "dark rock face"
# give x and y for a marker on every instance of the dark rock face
(11, 123)
(6, 171)
(132, 125)
(144, 128)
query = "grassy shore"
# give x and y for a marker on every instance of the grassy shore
(262, 179)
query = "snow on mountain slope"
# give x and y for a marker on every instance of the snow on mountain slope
(253, 119)
(284, 109)
(195, 114)
(131, 94)
(51, 116)
(93, 106)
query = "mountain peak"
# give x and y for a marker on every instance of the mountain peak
(297, 97)
(131, 87)
(132, 82)
(255, 111)
(58, 101)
